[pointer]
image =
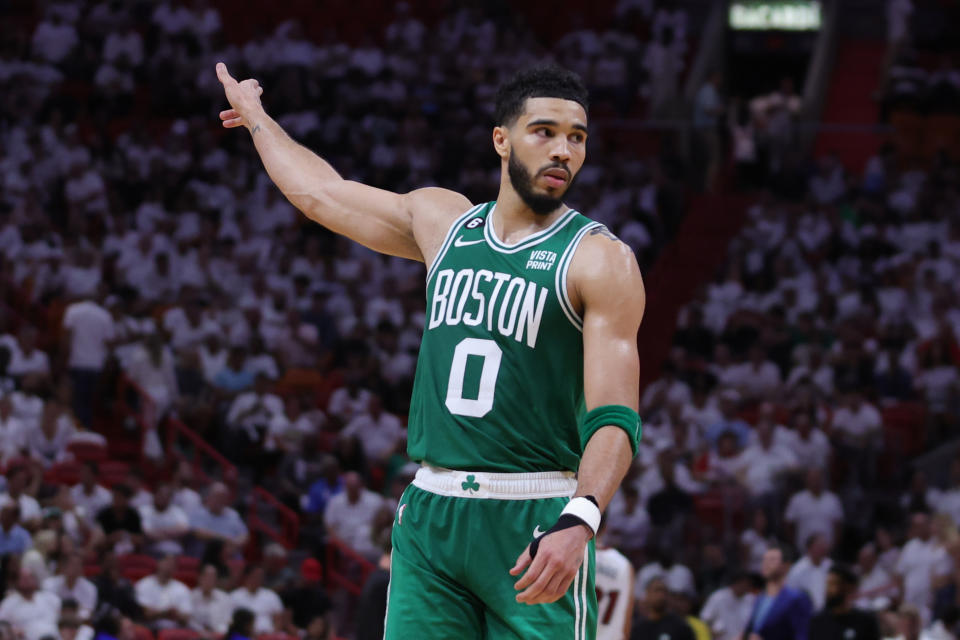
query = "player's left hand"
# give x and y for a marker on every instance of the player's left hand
(549, 575)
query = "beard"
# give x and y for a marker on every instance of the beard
(522, 181)
(834, 601)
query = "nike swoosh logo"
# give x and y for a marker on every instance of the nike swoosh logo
(536, 532)
(460, 242)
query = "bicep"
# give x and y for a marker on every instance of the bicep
(614, 302)
(381, 220)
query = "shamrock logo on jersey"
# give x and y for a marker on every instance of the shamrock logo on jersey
(471, 484)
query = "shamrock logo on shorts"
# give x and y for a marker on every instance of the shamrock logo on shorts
(471, 484)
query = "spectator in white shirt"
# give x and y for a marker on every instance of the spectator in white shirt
(727, 610)
(877, 588)
(90, 330)
(349, 400)
(252, 412)
(653, 479)
(71, 584)
(755, 540)
(165, 601)
(264, 603)
(349, 515)
(71, 625)
(27, 358)
(127, 45)
(54, 39)
(809, 444)
(87, 495)
(380, 432)
(920, 562)
(814, 510)
(48, 444)
(18, 479)
(948, 500)
(761, 465)
(678, 578)
(857, 425)
(13, 431)
(628, 523)
(151, 367)
(809, 574)
(30, 611)
(211, 608)
(182, 484)
(816, 370)
(758, 378)
(666, 391)
(164, 523)
(218, 521)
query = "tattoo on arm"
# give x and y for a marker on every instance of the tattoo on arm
(255, 129)
(603, 231)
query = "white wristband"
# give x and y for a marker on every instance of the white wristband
(585, 510)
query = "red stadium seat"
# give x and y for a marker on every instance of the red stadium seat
(142, 633)
(63, 473)
(276, 636)
(904, 427)
(177, 634)
(113, 472)
(188, 577)
(187, 570)
(135, 566)
(85, 451)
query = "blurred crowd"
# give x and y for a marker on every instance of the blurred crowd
(921, 74)
(140, 242)
(811, 405)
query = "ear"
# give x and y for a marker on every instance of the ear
(501, 141)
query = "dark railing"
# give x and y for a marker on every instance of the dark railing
(177, 430)
(289, 521)
(345, 568)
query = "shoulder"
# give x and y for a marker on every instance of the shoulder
(435, 207)
(603, 264)
(795, 595)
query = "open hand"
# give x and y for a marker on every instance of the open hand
(549, 575)
(243, 96)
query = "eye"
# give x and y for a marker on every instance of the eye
(543, 131)
(578, 137)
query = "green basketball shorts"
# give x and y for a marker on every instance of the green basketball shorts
(456, 535)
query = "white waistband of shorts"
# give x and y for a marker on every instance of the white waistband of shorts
(497, 486)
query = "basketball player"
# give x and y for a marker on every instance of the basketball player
(615, 577)
(523, 412)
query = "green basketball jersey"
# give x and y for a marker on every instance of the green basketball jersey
(499, 381)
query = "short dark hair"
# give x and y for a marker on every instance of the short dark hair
(845, 573)
(542, 81)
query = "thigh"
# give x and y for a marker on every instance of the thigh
(504, 530)
(425, 600)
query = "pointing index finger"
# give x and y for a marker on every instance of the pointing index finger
(222, 74)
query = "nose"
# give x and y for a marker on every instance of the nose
(561, 151)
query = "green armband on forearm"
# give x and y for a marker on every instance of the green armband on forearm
(611, 415)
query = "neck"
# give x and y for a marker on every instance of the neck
(653, 614)
(774, 586)
(512, 214)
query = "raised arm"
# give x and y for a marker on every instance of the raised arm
(410, 225)
(606, 284)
